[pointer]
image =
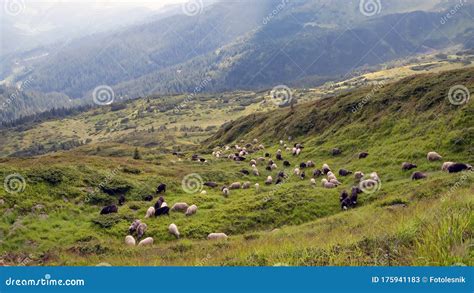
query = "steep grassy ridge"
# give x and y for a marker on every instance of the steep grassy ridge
(55, 220)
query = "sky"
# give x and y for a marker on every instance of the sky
(152, 4)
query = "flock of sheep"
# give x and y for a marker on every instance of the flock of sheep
(238, 153)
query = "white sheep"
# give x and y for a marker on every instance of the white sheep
(180, 207)
(253, 162)
(310, 164)
(298, 151)
(235, 185)
(173, 229)
(446, 165)
(255, 172)
(257, 187)
(203, 192)
(273, 166)
(374, 176)
(217, 236)
(358, 175)
(226, 192)
(281, 142)
(150, 212)
(146, 242)
(191, 210)
(269, 180)
(130, 241)
(335, 182)
(164, 204)
(433, 156)
(327, 184)
(331, 176)
(296, 171)
(293, 151)
(246, 185)
(312, 181)
(141, 229)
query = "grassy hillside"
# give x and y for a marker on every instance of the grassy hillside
(56, 221)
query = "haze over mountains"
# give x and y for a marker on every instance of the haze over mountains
(232, 45)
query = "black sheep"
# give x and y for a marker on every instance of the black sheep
(195, 157)
(162, 211)
(344, 172)
(161, 188)
(418, 176)
(245, 172)
(303, 165)
(459, 167)
(303, 175)
(279, 180)
(267, 155)
(363, 155)
(317, 173)
(279, 157)
(109, 210)
(239, 159)
(158, 204)
(281, 174)
(202, 160)
(211, 184)
(336, 151)
(354, 194)
(286, 164)
(408, 166)
(268, 168)
(121, 200)
(148, 198)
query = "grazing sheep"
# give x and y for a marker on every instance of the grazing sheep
(146, 242)
(121, 200)
(269, 180)
(253, 162)
(310, 164)
(354, 194)
(268, 168)
(281, 142)
(459, 167)
(141, 229)
(344, 172)
(179, 207)
(303, 165)
(164, 204)
(279, 181)
(293, 151)
(358, 175)
(159, 203)
(130, 241)
(245, 172)
(336, 151)
(418, 176)
(173, 229)
(261, 159)
(298, 151)
(226, 192)
(274, 166)
(217, 236)
(255, 140)
(255, 172)
(408, 166)
(326, 169)
(267, 155)
(270, 162)
(109, 210)
(257, 187)
(133, 227)
(335, 181)
(296, 171)
(191, 210)
(317, 173)
(286, 164)
(345, 200)
(433, 156)
(148, 198)
(150, 212)
(211, 184)
(279, 157)
(363, 155)
(327, 184)
(312, 181)
(374, 176)
(282, 174)
(164, 210)
(331, 176)
(446, 166)
(235, 185)
(246, 185)
(161, 188)
(303, 175)
(203, 192)
(239, 159)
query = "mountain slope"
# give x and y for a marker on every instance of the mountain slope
(55, 220)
